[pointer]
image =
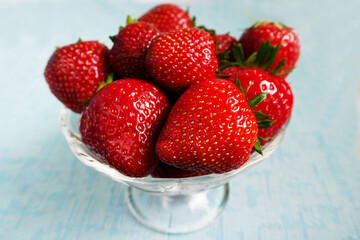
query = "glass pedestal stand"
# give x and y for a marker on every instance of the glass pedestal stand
(170, 205)
(177, 213)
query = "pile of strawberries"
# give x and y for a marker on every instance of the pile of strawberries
(173, 99)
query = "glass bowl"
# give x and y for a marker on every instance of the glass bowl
(170, 205)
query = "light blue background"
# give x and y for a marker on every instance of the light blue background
(309, 189)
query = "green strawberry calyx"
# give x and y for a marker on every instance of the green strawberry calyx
(193, 23)
(108, 80)
(212, 32)
(279, 25)
(261, 119)
(129, 20)
(262, 59)
(266, 22)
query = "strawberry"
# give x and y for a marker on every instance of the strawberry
(127, 56)
(75, 71)
(178, 59)
(225, 42)
(121, 124)
(210, 128)
(164, 170)
(276, 105)
(167, 18)
(275, 33)
(252, 75)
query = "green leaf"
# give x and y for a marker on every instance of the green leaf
(260, 117)
(271, 55)
(226, 64)
(79, 40)
(278, 25)
(86, 102)
(109, 79)
(129, 20)
(265, 56)
(218, 75)
(222, 56)
(112, 38)
(210, 31)
(256, 100)
(278, 67)
(193, 21)
(260, 54)
(264, 139)
(238, 85)
(216, 45)
(262, 22)
(264, 124)
(251, 59)
(239, 57)
(239, 54)
(284, 72)
(257, 147)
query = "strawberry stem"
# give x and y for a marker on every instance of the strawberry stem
(248, 16)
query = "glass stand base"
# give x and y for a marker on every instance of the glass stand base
(177, 213)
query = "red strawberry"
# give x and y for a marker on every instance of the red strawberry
(178, 59)
(127, 56)
(121, 124)
(276, 33)
(164, 170)
(225, 42)
(210, 128)
(75, 71)
(278, 102)
(167, 17)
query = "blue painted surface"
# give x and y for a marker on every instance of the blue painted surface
(309, 189)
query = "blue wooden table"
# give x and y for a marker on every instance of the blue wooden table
(309, 189)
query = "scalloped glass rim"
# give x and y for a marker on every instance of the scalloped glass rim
(150, 184)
